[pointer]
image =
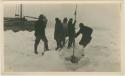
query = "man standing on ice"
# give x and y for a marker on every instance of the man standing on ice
(59, 33)
(86, 34)
(65, 26)
(40, 26)
(71, 32)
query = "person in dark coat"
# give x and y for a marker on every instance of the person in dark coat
(86, 34)
(59, 33)
(71, 32)
(40, 27)
(65, 26)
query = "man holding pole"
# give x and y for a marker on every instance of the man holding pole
(71, 30)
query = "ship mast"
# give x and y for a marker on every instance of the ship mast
(21, 16)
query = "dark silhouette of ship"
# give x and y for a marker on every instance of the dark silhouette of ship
(19, 22)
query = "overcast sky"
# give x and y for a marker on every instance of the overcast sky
(90, 14)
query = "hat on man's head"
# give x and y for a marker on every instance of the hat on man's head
(81, 25)
(65, 19)
(56, 19)
(41, 16)
(70, 19)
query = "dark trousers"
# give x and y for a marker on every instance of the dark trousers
(64, 42)
(59, 43)
(37, 40)
(71, 41)
(85, 41)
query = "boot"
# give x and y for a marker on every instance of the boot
(46, 46)
(57, 48)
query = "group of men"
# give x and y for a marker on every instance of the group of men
(62, 30)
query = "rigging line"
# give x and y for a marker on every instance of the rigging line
(16, 10)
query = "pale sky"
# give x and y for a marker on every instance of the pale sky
(90, 14)
(62, 0)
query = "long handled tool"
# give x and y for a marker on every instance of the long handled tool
(74, 59)
(75, 13)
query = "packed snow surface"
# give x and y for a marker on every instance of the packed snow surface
(101, 55)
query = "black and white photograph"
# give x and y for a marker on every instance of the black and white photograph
(62, 37)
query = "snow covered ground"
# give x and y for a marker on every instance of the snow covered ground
(101, 55)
